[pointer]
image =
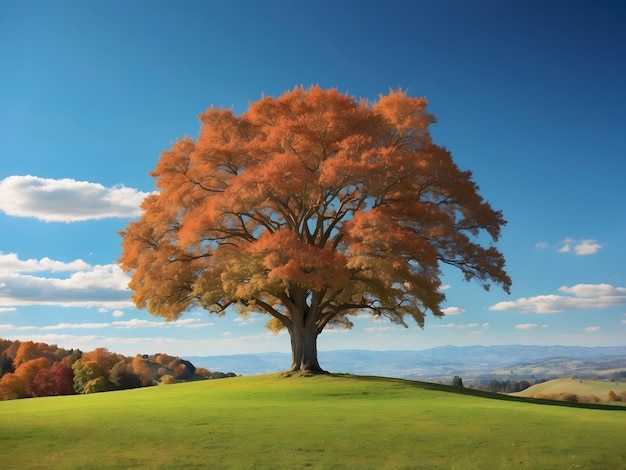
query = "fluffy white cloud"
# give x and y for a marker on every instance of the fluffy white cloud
(587, 247)
(103, 286)
(191, 323)
(585, 297)
(453, 311)
(11, 264)
(525, 326)
(592, 328)
(66, 200)
(581, 247)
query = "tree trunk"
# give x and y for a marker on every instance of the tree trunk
(304, 348)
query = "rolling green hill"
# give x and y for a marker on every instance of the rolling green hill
(323, 422)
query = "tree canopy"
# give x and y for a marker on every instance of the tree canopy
(310, 207)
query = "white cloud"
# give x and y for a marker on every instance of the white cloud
(453, 311)
(486, 325)
(118, 313)
(587, 247)
(581, 247)
(76, 326)
(11, 264)
(525, 326)
(541, 244)
(7, 309)
(585, 297)
(592, 328)
(66, 200)
(138, 323)
(250, 318)
(596, 290)
(446, 325)
(457, 326)
(380, 329)
(103, 286)
(191, 323)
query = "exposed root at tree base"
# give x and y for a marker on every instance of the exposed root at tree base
(303, 373)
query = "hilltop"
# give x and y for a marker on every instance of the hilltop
(319, 422)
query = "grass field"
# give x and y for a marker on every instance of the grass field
(579, 387)
(321, 422)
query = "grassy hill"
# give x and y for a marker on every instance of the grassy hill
(576, 386)
(321, 422)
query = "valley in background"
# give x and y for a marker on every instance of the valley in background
(475, 364)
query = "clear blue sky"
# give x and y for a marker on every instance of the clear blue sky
(530, 96)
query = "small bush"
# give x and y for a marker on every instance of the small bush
(543, 396)
(167, 380)
(571, 397)
(589, 399)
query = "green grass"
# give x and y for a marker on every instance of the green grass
(320, 422)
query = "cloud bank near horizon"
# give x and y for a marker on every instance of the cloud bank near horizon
(585, 297)
(84, 286)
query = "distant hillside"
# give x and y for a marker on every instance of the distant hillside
(581, 388)
(443, 363)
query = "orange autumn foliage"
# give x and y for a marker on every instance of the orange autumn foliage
(310, 207)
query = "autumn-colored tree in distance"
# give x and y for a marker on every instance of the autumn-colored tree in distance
(310, 207)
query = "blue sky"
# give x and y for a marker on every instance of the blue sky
(530, 96)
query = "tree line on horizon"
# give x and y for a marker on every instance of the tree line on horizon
(30, 369)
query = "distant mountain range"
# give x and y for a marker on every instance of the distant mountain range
(441, 363)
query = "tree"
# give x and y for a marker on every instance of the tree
(12, 387)
(27, 351)
(457, 381)
(58, 380)
(144, 370)
(103, 357)
(99, 384)
(86, 371)
(310, 207)
(122, 376)
(6, 365)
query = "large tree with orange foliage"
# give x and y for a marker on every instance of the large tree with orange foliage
(310, 207)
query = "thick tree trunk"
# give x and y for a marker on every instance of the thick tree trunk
(304, 349)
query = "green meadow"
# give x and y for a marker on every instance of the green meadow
(320, 422)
